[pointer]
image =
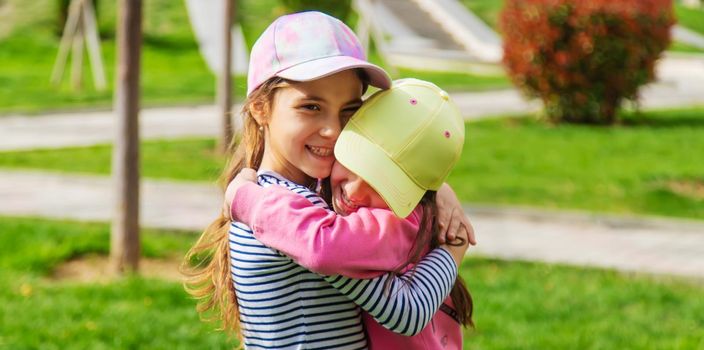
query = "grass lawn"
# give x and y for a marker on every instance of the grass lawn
(184, 159)
(647, 166)
(459, 81)
(172, 68)
(135, 313)
(173, 71)
(691, 18)
(517, 305)
(487, 10)
(652, 165)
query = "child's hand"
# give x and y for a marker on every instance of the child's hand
(245, 175)
(458, 247)
(452, 221)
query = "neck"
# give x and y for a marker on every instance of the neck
(286, 170)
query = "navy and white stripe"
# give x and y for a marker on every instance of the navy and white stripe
(284, 306)
(412, 298)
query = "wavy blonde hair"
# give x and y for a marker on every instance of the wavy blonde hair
(206, 266)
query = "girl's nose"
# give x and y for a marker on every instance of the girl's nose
(331, 128)
(355, 190)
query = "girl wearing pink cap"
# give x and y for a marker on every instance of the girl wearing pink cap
(399, 148)
(306, 78)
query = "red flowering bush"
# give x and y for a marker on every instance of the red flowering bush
(583, 57)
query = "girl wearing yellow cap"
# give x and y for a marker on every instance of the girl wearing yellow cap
(392, 157)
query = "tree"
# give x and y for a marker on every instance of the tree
(125, 245)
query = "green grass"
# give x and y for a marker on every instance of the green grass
(685, 48)
(450, 81)
(173, 71)
(185, 159)
(460, 81)
(648, 165)
(539, 306)
(691, 18)
(134, 313)
(487, 10)
(517, 305)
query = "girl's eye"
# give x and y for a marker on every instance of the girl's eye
(311, 107)
(350, 111)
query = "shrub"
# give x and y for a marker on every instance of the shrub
(582, 58)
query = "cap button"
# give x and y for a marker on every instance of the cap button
(444, 95)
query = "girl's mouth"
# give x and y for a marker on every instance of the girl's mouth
(323, 152)
(343, 204)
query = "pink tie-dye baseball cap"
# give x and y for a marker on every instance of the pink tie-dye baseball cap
(307, 46)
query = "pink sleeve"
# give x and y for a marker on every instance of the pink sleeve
(364, 244)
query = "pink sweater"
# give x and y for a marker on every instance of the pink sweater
(365, 244)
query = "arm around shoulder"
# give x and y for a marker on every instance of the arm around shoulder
(363, 244)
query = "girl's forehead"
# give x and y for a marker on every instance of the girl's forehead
(335, 88)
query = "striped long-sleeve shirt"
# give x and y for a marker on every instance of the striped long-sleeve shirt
(284, 306)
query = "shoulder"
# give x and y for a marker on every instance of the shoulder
(266, 179)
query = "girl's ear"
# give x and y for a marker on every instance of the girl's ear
(260, 112)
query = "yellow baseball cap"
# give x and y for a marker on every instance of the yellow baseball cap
(403, 142)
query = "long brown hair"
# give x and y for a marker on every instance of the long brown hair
(427, 236)
(207, 264)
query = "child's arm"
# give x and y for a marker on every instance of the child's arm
(411, 300)
(364, 244)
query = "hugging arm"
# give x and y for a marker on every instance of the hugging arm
(361, 245)
(411, 300)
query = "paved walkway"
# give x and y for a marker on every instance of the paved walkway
(681, 84)
(655, 246)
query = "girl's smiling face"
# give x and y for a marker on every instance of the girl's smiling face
(350, 192)
(305, 120)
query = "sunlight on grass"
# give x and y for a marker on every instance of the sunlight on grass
(691, 18)
(517, 304)
(622, 169)
(185, 159)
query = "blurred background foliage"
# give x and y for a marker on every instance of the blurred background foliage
(584, 58)
(647, 164)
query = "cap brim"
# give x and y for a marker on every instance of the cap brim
(322, 67)
(372, 164)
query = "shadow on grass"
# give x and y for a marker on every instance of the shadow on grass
(665, 119)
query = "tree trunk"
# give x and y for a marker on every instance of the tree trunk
(125, 246)
(224, 91)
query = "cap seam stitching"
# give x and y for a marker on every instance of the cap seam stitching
(276, 51)
(317, 58)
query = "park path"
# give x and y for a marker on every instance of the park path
(643, 245)
(681, 83)
(656, 246)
